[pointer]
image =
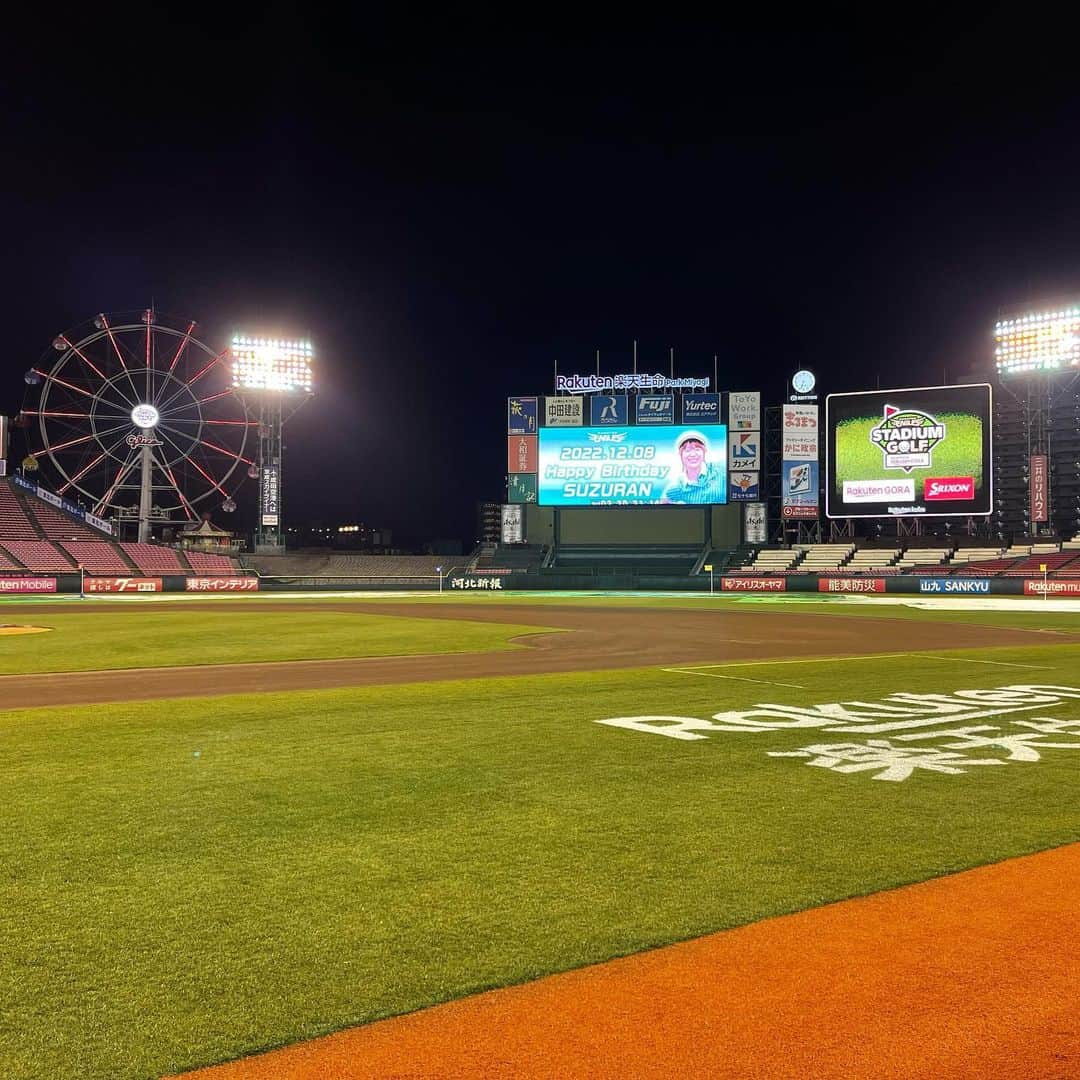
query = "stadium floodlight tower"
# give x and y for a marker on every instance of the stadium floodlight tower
(1037, 355)
(273, 377)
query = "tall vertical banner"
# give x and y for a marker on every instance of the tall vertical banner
(564, 412)
(521, 453)
(608, 410)
(513, 524)
(755, 529)
(1039, 487)
(799, 469)
(269, 495)
(744, 411)
(521, 488)
(521, 416)
(3, 445)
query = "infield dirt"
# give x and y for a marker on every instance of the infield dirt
(577, 639)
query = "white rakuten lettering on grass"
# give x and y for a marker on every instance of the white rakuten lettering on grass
(908, 718)
(876, 491)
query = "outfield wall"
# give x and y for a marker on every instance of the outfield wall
(598, 581)
(635, 525)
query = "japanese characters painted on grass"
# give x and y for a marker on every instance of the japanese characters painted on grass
(921, 729)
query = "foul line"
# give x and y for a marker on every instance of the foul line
(863, 656)
(710, 675)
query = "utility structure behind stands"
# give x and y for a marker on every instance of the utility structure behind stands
(274, 379)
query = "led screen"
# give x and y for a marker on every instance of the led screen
(923, 451)
(643, 466)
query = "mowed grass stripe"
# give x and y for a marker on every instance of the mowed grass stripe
(154, 637)
(186, 882)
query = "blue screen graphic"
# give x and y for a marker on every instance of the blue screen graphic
(652, 466)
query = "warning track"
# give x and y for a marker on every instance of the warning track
(579, 639)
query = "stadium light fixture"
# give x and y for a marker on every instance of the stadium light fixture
(271, 364)
(1038, 342)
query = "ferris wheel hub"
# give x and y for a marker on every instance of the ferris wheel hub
(145, 416)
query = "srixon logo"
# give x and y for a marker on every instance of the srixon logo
(948, 487)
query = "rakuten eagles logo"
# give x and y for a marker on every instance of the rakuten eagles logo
(607, 436)
(907, 438)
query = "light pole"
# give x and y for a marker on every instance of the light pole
(439, 571)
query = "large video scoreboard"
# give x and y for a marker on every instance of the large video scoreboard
(922, 451)
(656, 465)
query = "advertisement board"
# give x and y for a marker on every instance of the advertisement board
(521, 417)
(755, 524)
(744, 450)
(63, 504)
(513, 524)
(639, 466)
(799, 489)
(744, 487)
(851, 585)
(27, 584)
(1051, 587)
(225, 583)
(564, 412)
(753, 584)
(799, 445)
(521, 453)
(655, 409)
(701, 408)
(961, 586)
(744, 410)
(1038, 487)
(268, 494)
(521, 488)
(919, 450)
(800, 420)
(608, 410)
(121, 584)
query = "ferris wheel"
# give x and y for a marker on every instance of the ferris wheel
(136, 418)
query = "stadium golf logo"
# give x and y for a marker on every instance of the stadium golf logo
(911, 723)
(907, 438)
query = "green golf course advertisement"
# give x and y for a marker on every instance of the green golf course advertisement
(918, 451)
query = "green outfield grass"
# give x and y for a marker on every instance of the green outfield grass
(958, 454)
(188, 881)
(153, 635)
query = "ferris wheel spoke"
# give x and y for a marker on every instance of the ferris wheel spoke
(185, 505)
(61, 382)
(225, 423)
(175, 445)
(107, 452)
(55, 448)
(53, 414)
(119, 355)
(182, 346)
(200, 373)
(212, 481)
(222, 450)
(121, 474)
(82, 356)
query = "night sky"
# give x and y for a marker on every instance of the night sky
(447, 207)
